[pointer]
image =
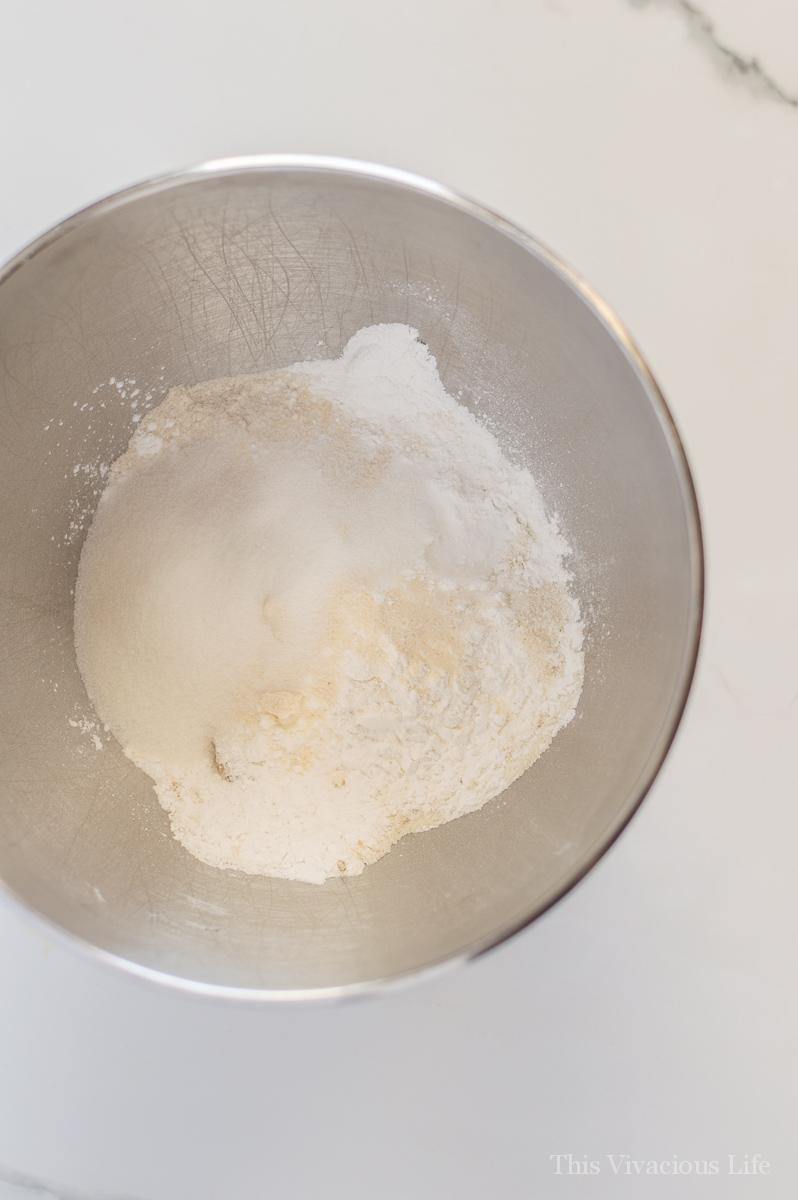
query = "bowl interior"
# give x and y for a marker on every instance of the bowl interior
(242, 270)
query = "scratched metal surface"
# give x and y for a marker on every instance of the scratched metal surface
(242, 270)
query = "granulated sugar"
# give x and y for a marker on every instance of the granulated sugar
(322, 610)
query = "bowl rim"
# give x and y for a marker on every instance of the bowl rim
(409, 181)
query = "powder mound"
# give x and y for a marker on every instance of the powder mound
(322, 610)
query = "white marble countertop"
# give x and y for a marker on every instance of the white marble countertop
(652, 1012)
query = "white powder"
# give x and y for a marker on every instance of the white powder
(322, 610)
(89, 728)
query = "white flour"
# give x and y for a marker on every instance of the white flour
(322, 610)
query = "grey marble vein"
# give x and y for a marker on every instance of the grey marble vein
(733, 61)
(14, 1185)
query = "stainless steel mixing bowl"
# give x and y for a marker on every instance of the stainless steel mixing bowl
(242, 266)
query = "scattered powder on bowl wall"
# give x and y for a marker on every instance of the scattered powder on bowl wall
(322, 610)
